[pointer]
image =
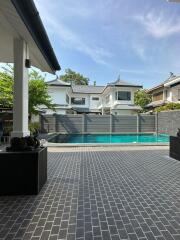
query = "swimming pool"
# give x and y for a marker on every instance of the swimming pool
(107, 138)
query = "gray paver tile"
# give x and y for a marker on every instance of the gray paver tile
(99, 195)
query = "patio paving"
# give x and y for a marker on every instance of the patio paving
(100, 195)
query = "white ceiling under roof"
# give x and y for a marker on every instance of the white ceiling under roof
(11, 26)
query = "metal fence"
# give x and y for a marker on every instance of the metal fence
(98, 124)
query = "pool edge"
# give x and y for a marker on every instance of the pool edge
(104, 144)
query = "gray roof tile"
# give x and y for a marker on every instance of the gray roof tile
(87, 89)
(120, 82)
(58, 82)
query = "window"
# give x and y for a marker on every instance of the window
(158, 96)
(67, 98)
(95, 99)
(107, 98)
(123, 95)
(78, 101)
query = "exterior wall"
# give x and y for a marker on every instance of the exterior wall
(155, 92)
(87, 100)
(93, 104)
(113, 91)
(168, 97)
(169, 94)
(175, 93)
(168, 122)
(97, 124)
(59, 94)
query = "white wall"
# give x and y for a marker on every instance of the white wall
(168, 96)
(172, 94)
(87, 100)
(113, 100)
(94, 104)
(175, 95)
(58, 94)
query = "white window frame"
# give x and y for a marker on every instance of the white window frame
(123, 99)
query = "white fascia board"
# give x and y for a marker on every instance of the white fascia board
(172, 82)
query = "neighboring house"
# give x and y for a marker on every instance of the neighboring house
(166, 92)
(115, 98)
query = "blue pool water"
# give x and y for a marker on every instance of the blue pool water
(115, 138)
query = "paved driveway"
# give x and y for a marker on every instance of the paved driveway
(100, 195)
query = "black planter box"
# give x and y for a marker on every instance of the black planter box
(23, 173)
(174, 151)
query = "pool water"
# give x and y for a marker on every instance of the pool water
(115, 138)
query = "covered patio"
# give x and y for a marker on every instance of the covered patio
(99, 194)
(91, 193)
(24, 42)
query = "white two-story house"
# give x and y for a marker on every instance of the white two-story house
(166, 92)
(115, 98)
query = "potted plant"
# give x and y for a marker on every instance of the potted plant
(23, 169)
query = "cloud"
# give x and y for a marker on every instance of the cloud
(158, 25)
(140, 72)
(69, 38)
(139, 50)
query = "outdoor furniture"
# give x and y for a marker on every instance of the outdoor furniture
(23, 172)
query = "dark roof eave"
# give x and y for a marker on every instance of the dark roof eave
(136, 86)
(155, 88)
(30, 16)
(87, 92)
(56, 85)
(121, 86)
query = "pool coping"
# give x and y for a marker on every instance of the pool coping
(104, 144)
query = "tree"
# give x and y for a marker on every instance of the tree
(74, 77)
(141, 98)
(6, 89)
(38, 92)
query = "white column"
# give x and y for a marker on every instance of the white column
(20, 107)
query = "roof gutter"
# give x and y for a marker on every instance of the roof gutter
(30, 16)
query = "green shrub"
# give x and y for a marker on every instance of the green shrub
(168, 106)
(33, 127)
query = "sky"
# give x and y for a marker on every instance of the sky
(102, 39)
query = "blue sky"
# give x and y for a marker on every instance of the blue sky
(138, 39)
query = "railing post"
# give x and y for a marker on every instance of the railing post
(156, 122)
(138, 123)
(83, 123)
(110, 124)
